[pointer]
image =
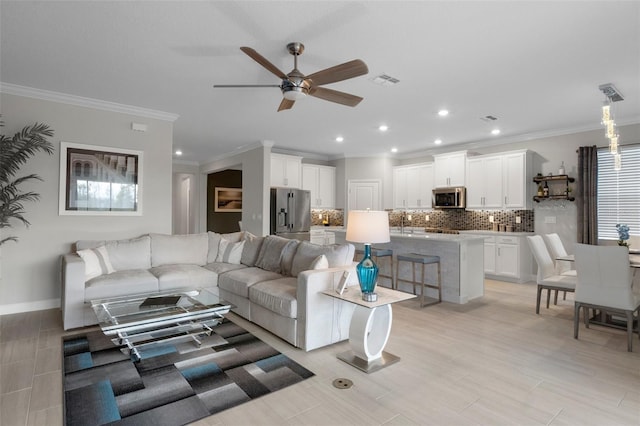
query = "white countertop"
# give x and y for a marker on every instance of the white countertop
(497, 233)
(430, 236)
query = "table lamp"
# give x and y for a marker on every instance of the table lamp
(368, 227)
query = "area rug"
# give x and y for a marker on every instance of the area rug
(176, 385)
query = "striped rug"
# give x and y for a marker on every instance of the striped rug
(178, 384)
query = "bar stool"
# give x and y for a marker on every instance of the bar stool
(376, 255)
(422, 259)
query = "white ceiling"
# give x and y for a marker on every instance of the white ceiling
(534, 65)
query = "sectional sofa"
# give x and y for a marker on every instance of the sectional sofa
(274, 282)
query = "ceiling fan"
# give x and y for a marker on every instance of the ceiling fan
(296, 86)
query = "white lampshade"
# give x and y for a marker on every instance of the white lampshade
(368, 226)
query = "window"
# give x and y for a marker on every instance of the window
(618, 192)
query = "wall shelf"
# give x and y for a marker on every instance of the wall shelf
(555, 180)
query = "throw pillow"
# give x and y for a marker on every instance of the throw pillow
(320, 262)
(96, 262)
(336, 256)
(229, 252)
(251, 249)
(271, 253)
(214, 244)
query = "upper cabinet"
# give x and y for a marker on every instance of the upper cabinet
(484, 182)
(286, 171)
(321, 182)
(498, 181)
(412, 186)
(450, 169)
(517, 167)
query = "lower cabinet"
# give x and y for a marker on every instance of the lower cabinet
(507, 258)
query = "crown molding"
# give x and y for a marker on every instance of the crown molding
(47, 95)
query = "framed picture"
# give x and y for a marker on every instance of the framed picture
(228, 200)
(98, 180)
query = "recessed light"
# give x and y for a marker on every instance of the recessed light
(178, 152)
(383, 128)
(339, 139)
(438, 141)
(394, 150)
(443, 113)
(495, 132)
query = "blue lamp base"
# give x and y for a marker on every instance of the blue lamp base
(367, 272)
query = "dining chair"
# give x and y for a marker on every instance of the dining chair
(556, 249)
(563, 267)
(547, 277)
(604, 283)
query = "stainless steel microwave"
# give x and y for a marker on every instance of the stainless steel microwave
(449, 198)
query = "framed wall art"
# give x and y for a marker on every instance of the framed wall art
(227, 199)
(98, 180)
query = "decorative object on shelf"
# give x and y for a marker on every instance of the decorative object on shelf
(16, 151)
(613, 95)
(559, 193)
(561, 169)
(623, 234)
(368, 227)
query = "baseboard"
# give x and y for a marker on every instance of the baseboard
(40, 305)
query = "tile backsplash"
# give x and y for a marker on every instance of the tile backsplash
(465, 219)
(335, 217)
(452, 219)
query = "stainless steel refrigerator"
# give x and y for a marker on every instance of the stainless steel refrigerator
(290, 213)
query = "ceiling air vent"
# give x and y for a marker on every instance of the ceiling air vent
(385, 80)
(488, 118)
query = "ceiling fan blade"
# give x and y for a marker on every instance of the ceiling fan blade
(264, 62)
(226, 86)
(335, 96)
(285, 104)
(340, 72)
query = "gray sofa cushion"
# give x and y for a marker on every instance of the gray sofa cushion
(190, 249)
(130, 254)
(221, 267)
(337, 255)
(251, 249)
(120, 283)
(239, 281)
(183, 276)
(278, 296)
(272, 251)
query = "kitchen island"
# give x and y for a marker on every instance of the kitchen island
(461, 261)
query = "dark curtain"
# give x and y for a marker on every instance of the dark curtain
(586, 197)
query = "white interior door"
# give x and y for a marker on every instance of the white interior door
(364, 194)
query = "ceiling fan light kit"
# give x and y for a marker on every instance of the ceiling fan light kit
(296, 86)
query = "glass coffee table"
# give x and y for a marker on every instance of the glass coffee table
(143, 322)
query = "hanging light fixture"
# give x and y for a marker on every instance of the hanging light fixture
(613, 95)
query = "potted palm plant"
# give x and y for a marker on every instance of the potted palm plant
(15, 151)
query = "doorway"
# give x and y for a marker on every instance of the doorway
(364, 194)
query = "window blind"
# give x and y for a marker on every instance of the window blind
(618, 192)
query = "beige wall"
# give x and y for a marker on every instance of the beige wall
(30, 269)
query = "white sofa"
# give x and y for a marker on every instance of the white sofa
(271, 280)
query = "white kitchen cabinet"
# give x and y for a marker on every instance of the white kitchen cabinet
(484, 182)
(490, 255)
(499, 181)
(449, 169)
(517, 172)
(507, 258)
(286, 171)
(321, 182)
(412, 186)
